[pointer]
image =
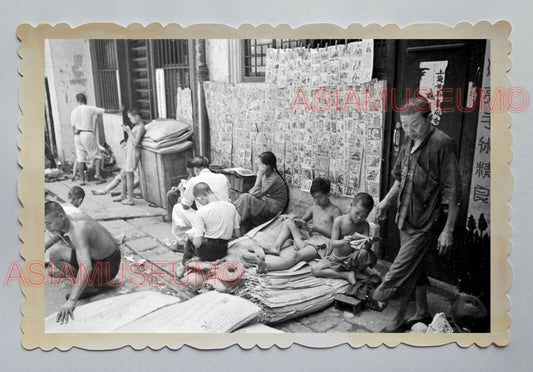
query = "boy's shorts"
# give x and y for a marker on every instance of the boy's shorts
(317, 240)
(356, 261)
(86, 147)
(103, 271)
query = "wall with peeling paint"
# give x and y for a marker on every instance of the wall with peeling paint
(69, 72)
(217, 59)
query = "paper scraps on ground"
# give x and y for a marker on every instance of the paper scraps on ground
(111, 313)
(210, 312)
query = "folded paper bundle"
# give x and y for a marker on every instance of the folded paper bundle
(289, 294)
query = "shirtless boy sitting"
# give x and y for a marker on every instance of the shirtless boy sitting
(93, 256)
(349, 253)
(323, 212)
(307, 246)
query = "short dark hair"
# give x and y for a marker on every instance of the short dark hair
(81, 98)
(76, 192)
(364, 199)
(320, 184)
(189, 164)
(51, 207)
(200, 162)
(416, 104)
(135, 111)
(201, 189)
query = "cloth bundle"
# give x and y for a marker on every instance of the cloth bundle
(164, 133)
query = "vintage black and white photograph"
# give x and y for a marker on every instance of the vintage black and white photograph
(267, 186)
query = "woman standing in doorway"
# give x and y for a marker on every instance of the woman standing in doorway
(268, 197)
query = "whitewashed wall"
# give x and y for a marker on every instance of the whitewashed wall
(69, 72)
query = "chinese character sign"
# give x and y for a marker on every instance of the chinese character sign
(431, 84)
(479, 203)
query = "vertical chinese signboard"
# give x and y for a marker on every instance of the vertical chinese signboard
(479, 203)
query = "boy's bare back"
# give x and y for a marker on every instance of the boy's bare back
(89, 234)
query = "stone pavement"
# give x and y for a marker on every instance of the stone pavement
(146, 237)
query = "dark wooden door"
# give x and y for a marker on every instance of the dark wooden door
(141, 77)
(463, 71)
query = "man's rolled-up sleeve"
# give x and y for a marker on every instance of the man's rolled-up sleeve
(450, 181)
(188, 198)
(396, 172)
(98, 111)
(198, 227)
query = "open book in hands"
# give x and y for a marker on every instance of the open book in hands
(363, 242)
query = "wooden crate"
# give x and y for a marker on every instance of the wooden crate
(159, 172)
(241, 183)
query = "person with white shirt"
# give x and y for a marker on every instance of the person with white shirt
(214, 225)
(183, 212)
(82, 121)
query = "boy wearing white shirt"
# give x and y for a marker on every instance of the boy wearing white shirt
(82, 121)
(214, 225)
(183, 213)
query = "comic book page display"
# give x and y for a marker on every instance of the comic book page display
(310, 112)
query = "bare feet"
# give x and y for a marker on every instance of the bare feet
(251, 257)
(98, 192)
(119, 199)
(261, 266)
(127, 202)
